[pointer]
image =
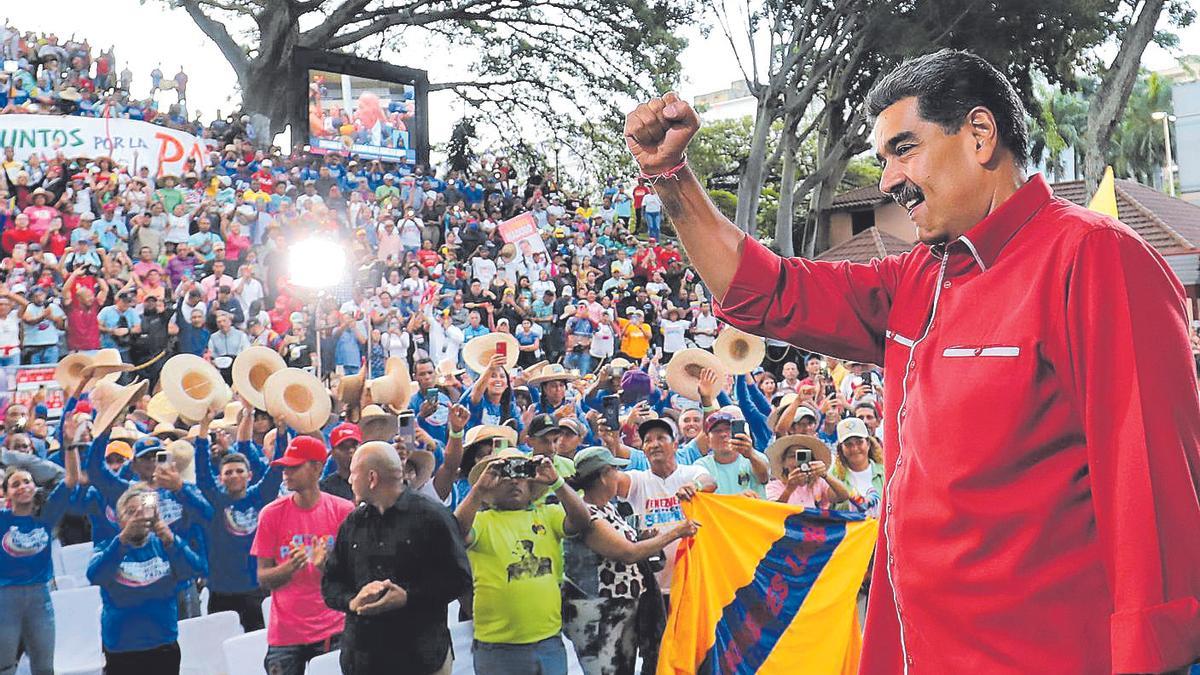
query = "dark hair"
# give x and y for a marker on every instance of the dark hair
(234, 457)
(948, 84)
(584, 482)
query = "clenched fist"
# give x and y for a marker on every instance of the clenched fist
(658, 131)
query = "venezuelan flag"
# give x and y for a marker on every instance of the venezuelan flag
(766, 587)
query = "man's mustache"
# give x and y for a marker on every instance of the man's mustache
(905, 193)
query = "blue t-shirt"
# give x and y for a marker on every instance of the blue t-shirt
(486, 412)
(110, 317)
(25, 543)
(230, 532)
(436, 424)
(138, 587)
(87, 501)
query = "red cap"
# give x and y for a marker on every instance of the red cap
(302, 449)
(344, 432)
(83, 407)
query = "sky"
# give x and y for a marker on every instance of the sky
(147, 34)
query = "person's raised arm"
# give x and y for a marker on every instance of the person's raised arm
(480, 386)
(579, 519)
(447, 473)
(475, 500)
(604, 539)
(753, 288)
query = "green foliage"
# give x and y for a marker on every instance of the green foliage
(720, 150)
(460, 150)
(725, 201)
(861, 172)
(768, 210)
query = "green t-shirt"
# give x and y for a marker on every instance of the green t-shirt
(735, 477)
(517, 561)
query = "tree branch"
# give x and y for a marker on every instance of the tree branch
(216, 31)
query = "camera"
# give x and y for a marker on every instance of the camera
(804, 457)
(518, 468)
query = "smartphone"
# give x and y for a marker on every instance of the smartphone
(148, 507)
(738, 427)
(407, 428)
(502, 349)
(611, 405)
(431, 394)
(163, 457)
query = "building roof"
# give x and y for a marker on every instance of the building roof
(866, 246)
(1169, 224)
(857, 198)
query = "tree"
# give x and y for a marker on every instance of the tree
(460, 151)
(564, 62)
(1135, 30)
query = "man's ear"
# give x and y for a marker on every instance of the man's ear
(984, 133)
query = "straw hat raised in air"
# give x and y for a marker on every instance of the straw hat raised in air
(298, 398)
(193, 386)
(395, 388)
(112, 400)
(683, 372)
(251, 369)
(741, 352)
(479, 351)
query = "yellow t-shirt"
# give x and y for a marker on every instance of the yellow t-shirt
(635, 339)
(517, 561)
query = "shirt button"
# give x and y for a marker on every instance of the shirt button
(909, 659)
(948, 284)
(889, 508)
(891, 560)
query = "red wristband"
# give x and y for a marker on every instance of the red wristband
(669, 173)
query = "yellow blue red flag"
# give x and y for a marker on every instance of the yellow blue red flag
(766, 587)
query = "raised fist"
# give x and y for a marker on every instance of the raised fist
(658, 131)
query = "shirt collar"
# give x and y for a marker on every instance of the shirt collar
(984, 242)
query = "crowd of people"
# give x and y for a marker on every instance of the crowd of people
(44, 74)
(552, 473)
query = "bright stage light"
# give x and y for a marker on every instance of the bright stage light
(316, 263)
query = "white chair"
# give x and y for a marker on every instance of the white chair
(266, 610)
(75, 560)
(244, 654)
(67, 582)
(325, 664)
(200, 641)
(77, 649)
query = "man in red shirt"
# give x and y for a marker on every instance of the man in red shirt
(639, 193)
(19, 233)
(1042, 417)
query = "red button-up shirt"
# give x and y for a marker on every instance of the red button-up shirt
(1041, 508)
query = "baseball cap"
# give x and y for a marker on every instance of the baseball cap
(805, 411)
(658, 423)
(543, 425)
(120, 448)
(573, 426)
(851, 427)
(343, 432)
(146, 444)
(300, 450)
(717, 418)
(593, 459)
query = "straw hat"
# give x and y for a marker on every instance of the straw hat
(160, 409)
(508, 252)
(479, 351)
(298, 398)
(551, 373)
(229, 417)
(251, 369)
(111, 400)
(395, 388)
(377, 424)
(193, 386)
(422, 462)
(69, 370)
(448, 371)
(183, 456)
(776, 450)
(167, 431)
(484, 432)
(741, 352)
(534, 370)
(683, 372)
(104, 362)
(350, 388)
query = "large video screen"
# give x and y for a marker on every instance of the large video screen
(370, 118)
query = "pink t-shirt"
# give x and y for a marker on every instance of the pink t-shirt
(298, 614)
(814, 496)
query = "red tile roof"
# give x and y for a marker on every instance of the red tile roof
(1169, 224)
(866, 246)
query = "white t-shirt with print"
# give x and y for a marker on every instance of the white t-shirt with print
(656, 506)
